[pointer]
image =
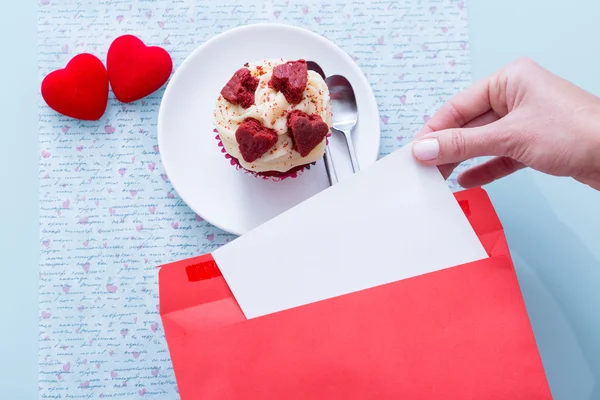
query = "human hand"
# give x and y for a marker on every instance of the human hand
(523, 115)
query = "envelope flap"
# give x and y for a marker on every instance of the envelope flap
(480, 212)
(478, 208)
(194, 296)
(206, 316)
(189, 283)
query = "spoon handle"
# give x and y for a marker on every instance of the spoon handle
(329, 167)
(353, 158)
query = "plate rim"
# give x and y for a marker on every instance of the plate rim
(193, 54)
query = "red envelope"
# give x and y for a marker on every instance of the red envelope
(459, 333)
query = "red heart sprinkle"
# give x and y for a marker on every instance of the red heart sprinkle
(136, 70)
(80, 90)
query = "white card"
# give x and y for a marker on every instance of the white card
(392, 221)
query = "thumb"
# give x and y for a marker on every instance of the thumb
(457, 145)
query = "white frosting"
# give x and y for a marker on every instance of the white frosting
(271, 108)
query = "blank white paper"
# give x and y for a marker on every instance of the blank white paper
(327, 246)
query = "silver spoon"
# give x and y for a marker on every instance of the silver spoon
(345, 111)
(313, 66)
(329, 166)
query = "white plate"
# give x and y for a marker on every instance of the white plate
(221, 194)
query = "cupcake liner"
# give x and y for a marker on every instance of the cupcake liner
(275, 176)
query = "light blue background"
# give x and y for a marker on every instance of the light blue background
(553, 230)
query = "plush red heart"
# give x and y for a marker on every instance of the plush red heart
(80, 90)
(136, 70)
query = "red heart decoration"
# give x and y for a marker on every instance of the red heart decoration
(254, 139)
(290, 79)
(80, 90)
(307, 131)
(136, 70)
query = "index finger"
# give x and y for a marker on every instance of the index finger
(461, 109)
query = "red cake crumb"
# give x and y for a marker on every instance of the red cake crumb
(290, 79)
(260, 71)
(240, 88)
(254, 139)
(307, 131)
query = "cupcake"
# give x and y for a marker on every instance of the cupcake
(273, 117)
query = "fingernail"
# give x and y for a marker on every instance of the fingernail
(426, 149)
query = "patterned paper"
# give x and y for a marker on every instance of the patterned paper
(108, 214)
